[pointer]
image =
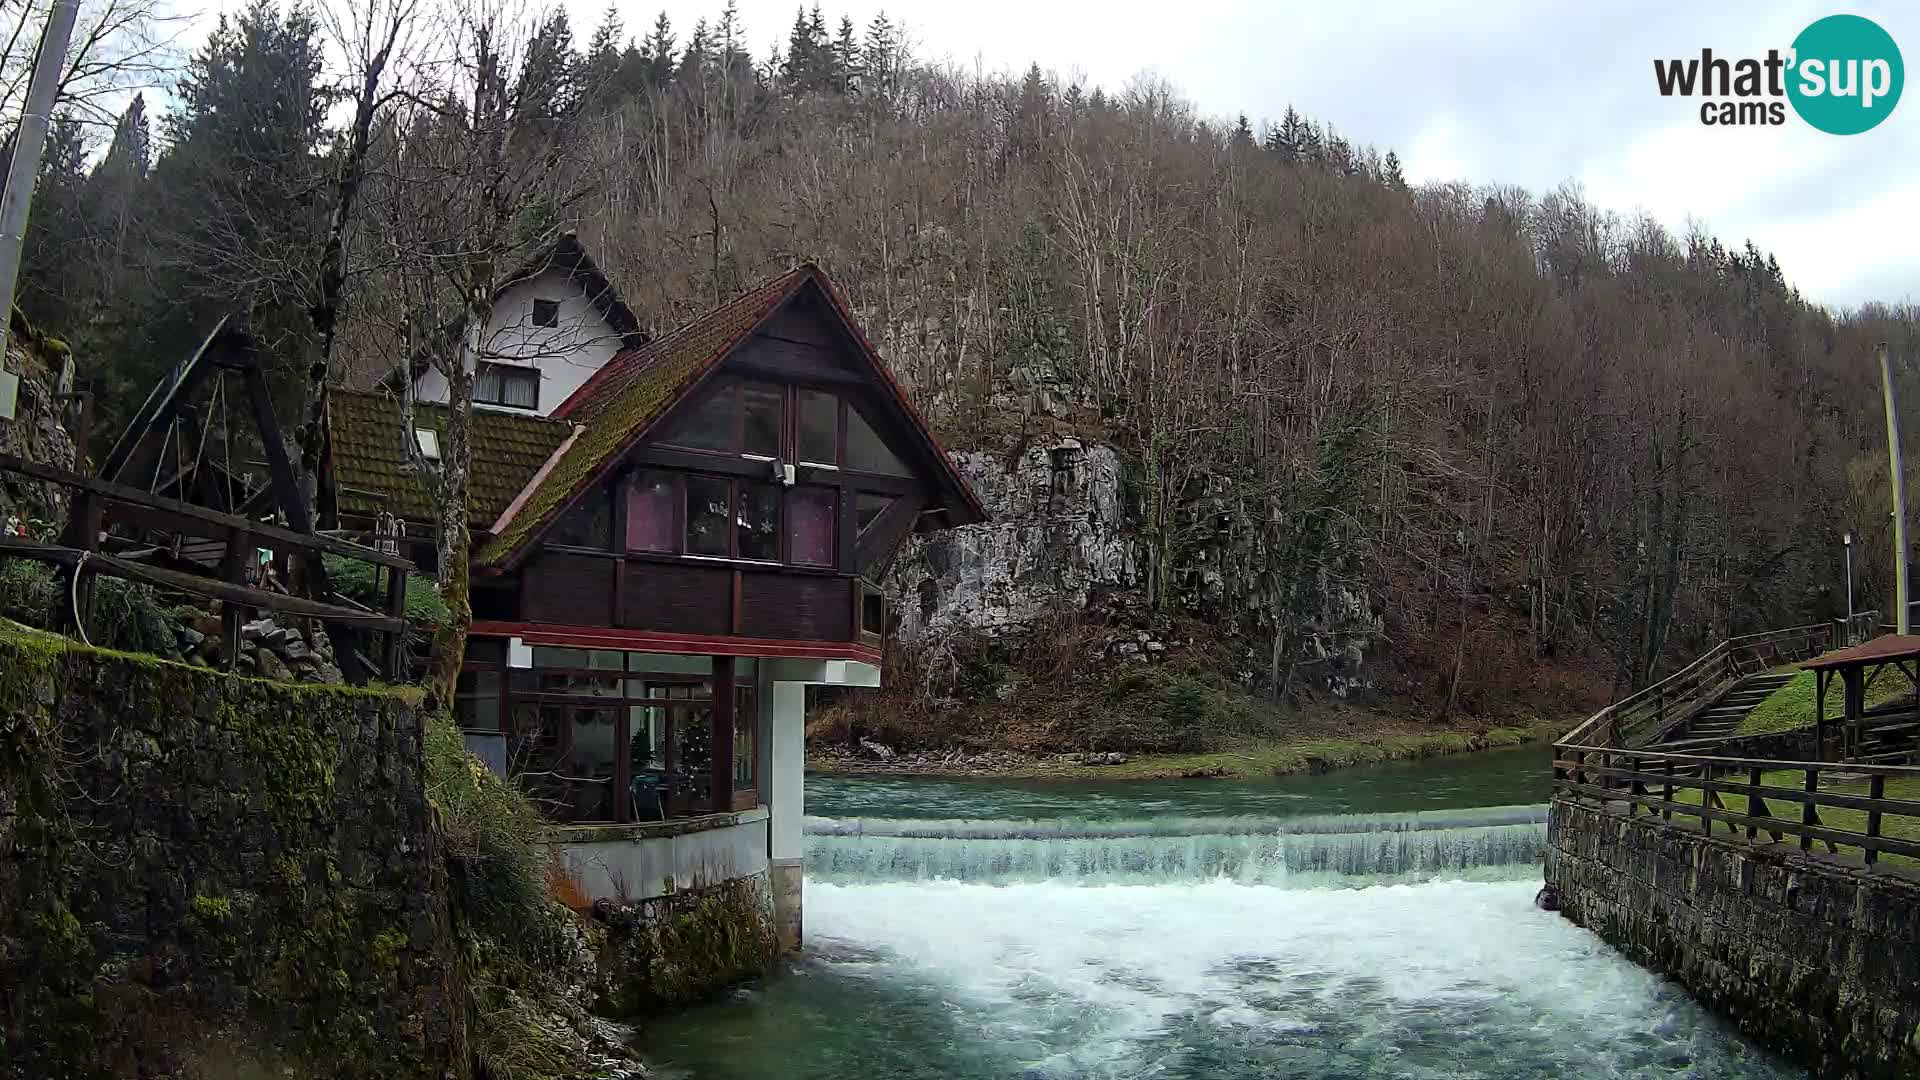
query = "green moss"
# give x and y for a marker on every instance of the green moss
(700, 943)
(213, 909)
(386, 950)
(1791, 707)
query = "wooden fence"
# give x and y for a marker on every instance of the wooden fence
(97, 503)
(1678, 696)
(1754, 796)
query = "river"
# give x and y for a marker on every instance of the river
(1367, 923)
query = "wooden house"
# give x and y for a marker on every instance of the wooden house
(665, 558)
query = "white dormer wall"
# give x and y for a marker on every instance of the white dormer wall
(566, 354)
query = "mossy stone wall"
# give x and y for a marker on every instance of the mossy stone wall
(207, 875)
(677, 949)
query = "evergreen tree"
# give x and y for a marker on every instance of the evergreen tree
(1242, 138)
(728, 44)
(1391, 174)
(58, 284)
(658, 49)
(880, 58)
(1289, 140)
(801, 70)
(548, 87)
(1030, 112)
(1075, 100)
(600, 69)
(698, 55)
(846, 57)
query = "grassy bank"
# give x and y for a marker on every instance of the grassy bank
(1791, 706)
(1246, 759)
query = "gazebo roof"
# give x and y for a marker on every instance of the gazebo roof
(1881, 650)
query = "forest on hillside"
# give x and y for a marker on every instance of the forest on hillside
(1534, 431)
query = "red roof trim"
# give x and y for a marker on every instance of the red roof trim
(607, 637)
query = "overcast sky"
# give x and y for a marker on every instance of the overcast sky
(1490, 91)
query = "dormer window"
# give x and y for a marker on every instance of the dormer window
(546, 313)
(750, 419)
(507, 385)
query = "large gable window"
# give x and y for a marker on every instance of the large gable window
(751, 419)
(506, 385)
(721, 518)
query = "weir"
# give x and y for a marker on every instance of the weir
(1492, 843)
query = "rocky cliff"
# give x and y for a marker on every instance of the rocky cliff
(1063, 552)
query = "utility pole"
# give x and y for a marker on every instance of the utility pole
(29, 142)
(1899, 496)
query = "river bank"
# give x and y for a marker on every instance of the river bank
(1249, 759)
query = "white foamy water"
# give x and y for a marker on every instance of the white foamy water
(1447, 979)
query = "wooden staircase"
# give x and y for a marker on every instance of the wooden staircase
(1723, 716)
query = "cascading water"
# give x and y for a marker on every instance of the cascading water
(1155, 941)
(1495, 843)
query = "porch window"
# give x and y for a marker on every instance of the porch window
(709, 516)
(608, 736)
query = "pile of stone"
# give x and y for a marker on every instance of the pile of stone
(296, 650)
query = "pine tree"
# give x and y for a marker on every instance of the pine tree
(698, 55)
(880, 59)
(1390, 172)
(658, 50)
(1075, 100)
(801, 68)
(601, 67)
(1030, 112)
(1242, 138)
(846, 58)
(1291, 139)
(548, 87)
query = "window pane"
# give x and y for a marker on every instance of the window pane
(546, 657)
(650, 512)
(672, 663)
(707, 516)
(648, 750)
(587, 524)
(744, 724)
(592, 767)
(710, 424)
(868, 507)
(546, 313)
(810, 525)
(819, 427)
(764, 405)
(759, 524)
(865, 451)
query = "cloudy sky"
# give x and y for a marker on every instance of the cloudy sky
(1491, 91)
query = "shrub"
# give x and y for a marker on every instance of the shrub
(128, 616)
(358, 582)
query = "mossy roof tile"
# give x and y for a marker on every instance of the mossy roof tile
(369, 455)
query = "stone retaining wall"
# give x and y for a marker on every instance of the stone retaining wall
(1817, 959)
(204, 875)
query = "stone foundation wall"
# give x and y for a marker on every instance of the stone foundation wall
(1818, 960)
(677, 949)
(203, 875)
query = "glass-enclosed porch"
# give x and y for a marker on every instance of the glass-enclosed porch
(612, 736)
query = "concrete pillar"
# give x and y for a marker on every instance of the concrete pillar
(786, 781)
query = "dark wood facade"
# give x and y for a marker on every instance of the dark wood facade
(807, 539)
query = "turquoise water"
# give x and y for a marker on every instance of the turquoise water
(1365, 924)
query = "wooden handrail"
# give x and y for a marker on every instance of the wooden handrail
(1629, 778)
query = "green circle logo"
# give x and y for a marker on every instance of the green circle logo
(1847, 74)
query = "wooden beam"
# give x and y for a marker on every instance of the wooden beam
(276, 535)
(722, 734)
(887, 530)
(174, 579)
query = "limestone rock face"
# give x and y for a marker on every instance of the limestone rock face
(1063, 540)
(1057, 535)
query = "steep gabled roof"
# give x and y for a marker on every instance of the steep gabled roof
(370, 458)
(640, 385)
(566, 253)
